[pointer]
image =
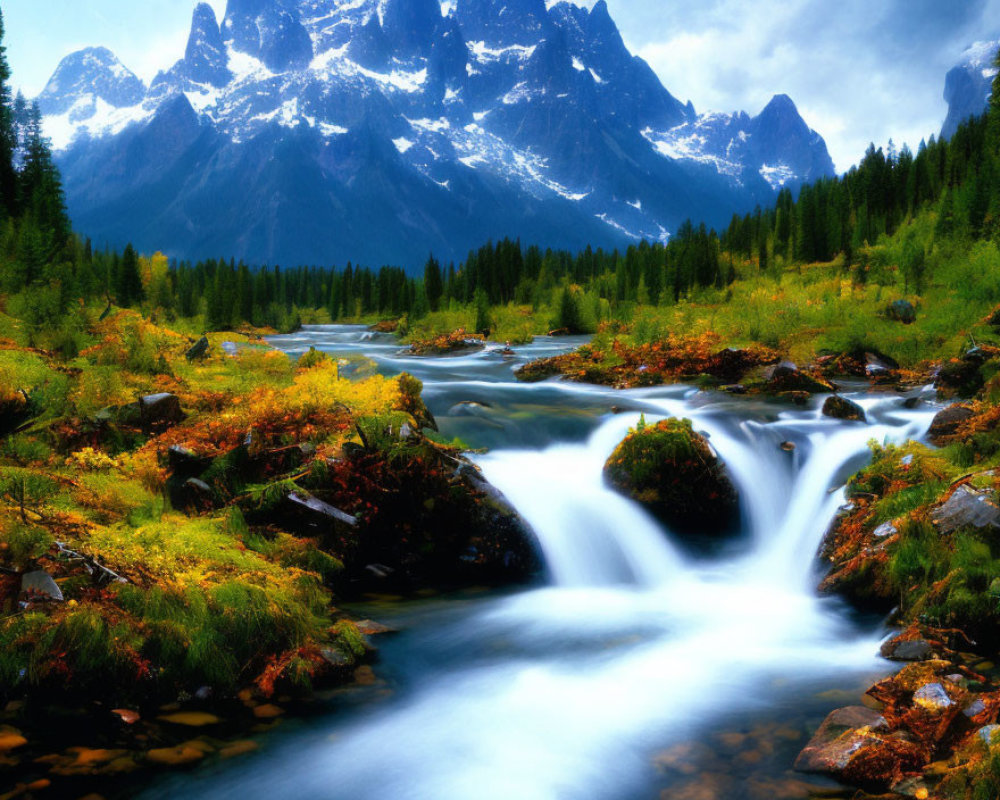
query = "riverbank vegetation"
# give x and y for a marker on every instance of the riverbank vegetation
(181, 508)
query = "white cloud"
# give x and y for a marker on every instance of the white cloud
(859, 72)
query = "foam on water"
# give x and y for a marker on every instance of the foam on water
(632, 644)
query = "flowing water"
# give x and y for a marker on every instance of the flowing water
(620, 676)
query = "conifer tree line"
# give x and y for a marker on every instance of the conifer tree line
(48, 273)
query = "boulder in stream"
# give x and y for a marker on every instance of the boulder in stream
(787, 377)
(677, 475)
(838, 407)
(947, 422)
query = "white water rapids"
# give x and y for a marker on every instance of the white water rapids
(564, 691)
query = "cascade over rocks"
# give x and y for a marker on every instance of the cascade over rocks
(677, 475)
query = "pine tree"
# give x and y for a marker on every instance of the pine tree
(8, 137)
(128, 283)
(568, 314)
(40, 185)
(483, 322)
(433, 283)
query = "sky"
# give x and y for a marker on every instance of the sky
(859, 70)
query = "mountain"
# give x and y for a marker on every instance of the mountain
(314, 131)
(968, 86)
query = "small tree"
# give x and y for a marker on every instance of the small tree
(433, 283)
(484, 323)
(129, 279)
(568, 316)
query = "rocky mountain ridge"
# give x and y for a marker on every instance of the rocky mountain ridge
(313, 131)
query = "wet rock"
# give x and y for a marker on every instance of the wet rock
(885, 530)
(192, 719)
(179, 756)
(989, 734)
(902, 311)
(39, 586)
(732, 364)
(457, 343)
(967, 508)
(787, 377)
(879, 365)
(268, 711)
(372, 628)
(855, 746)
(907, 650)
(933, 697)
(838, 407)
(974, 709)
(11, 739)
(947, 422)
(198, 350)
(677, 475)
(235, 749)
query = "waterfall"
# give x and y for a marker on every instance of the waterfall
(565, 692)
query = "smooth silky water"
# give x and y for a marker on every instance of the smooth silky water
(634, 652)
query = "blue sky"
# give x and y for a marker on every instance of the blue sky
(859, 70)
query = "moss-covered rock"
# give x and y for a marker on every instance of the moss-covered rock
(838, 407)
(676, 474)
(426, 518)
(787, 377)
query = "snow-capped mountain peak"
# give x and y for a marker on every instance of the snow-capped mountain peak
(969, 85)
(449, 122)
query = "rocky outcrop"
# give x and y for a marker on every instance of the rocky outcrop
(676, 474)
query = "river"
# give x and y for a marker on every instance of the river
(638, 670)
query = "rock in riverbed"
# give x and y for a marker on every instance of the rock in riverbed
(677, 475)
(855, 746)
(947, 422)
(838, 407)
